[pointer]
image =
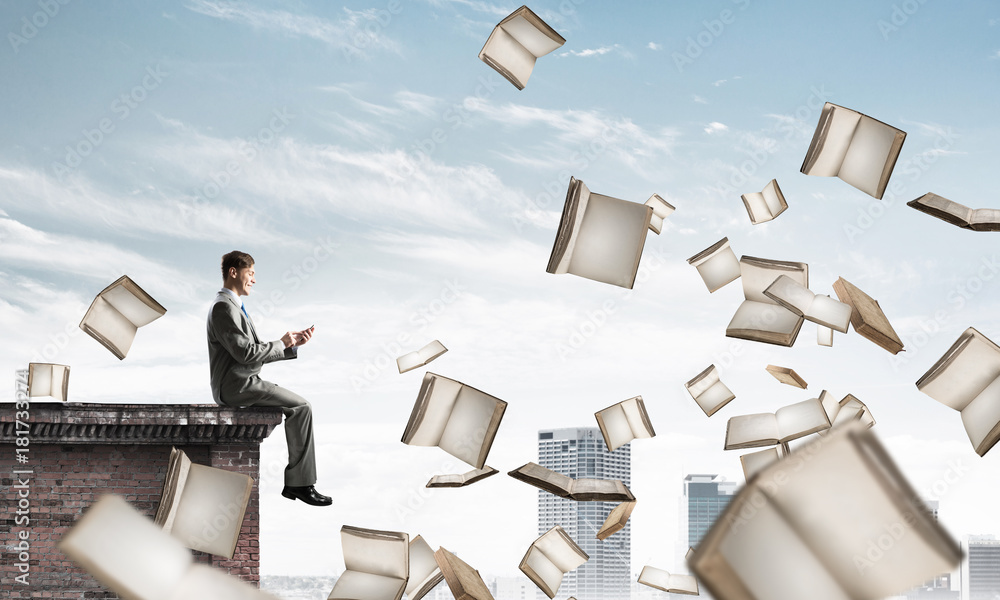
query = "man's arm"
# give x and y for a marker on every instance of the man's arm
(241, 347)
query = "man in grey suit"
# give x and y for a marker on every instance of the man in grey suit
(236, 355)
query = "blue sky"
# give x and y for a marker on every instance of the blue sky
(393, 189)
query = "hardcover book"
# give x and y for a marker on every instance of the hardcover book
(461, 479)
(549, 558)
(765, 205)
(585, 490)
(759, 318)
(784, 425)
(976, 219)
(623, 422)
(817, 308)
(717, 265)
(616, 521)
(673, 584)
(515, 44)
(117, 313)
(377, 565)
(419, 358)
(708, 391)
(46, 380)
(424, 570)
(867, 317)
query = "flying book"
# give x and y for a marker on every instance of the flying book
(419, 358)
(759, 318)
(867, 316)
(976, 219)
(599, 237)
(46, 380)
(550, 557)
(848, 410)
(623, 422)
(424, 570)
(515, 44)
(457, 418)
(583, 490)
(464, 582)
(117, 313)
(376, 565)
(784, 425)
(817, 308)
(461, 479)
(765, 205)
(129, 555)
(854, 147)
(616, 521)
(708, 391)
(824, 335)
(203, 506)
(836, 519)
(787, 376)
(967, 379)
(661, 210)
(662, 580)
(755, 462)
(717, 265)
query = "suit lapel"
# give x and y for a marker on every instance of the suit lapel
(245, 316)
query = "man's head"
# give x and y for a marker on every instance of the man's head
(237, 272)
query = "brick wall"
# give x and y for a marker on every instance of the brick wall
(78, 452)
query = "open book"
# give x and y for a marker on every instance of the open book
(623, 422)
(461, 479)
(854, 147)
(424, 570)
(616, 521)
(759, 318)
(48, 380)
(848, 410)
(602, 490)
(129, 555)
(117, 313)
(457, 418)
(716, 264)
(377, 565)
(708, 391)
(755, 462)
(516, 42)
(203, 506)
(817, 308)
(765, 205)
(836, 520)
(419, 358)
(550, 557)
(976, 219)
(867, 316)
(464, 582)
(967, 379)
(599, 237)
(662, 580)
(661, 210)
(786, 424)
(787, 376)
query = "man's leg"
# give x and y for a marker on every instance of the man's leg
(301, 469)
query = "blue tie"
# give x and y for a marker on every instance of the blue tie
(244, 309)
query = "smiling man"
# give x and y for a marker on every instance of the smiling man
(236, 355)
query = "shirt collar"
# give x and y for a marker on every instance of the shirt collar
(233, 294)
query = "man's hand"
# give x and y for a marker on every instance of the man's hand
(297, 338)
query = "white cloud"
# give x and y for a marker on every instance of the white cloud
(654, 46)
(995, 55)
(597, 51)
(719, 82)
(483, 7)
(698, 99)
(716, 127)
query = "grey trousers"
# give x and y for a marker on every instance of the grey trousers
(301, 469)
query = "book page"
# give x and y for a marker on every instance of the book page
(944, 209)
(210, 512)
(831, 141)
(203, 582)
(748, 431)
(662, 580)
(714, 398)
(542, 571)
(356, 585)
(608, 490)
(971, 364)
(755, 462)
(131, 306)
(830, 313)
(800, 419)
(470, 426)
(423, 568)
(383, 553)
(547, 479)
(982, 414)
(759, 273)
(40, 380)
(702, 381)
(717, 265)
(577, 200)
(985, 219)
(561, 550)
(790, 294)
(610, 240)
(125, 551)
(757, 207)
(502, 49)
(110, 324)
(824, 335)
(638, 418)
(615, 426)
(870, 150)
(528, 35)
(766, 317)
(616, 520)
(432, 410)
(774, 199)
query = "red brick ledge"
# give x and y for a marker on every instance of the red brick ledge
(177, 424)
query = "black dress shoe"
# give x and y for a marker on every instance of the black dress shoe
(307, 494)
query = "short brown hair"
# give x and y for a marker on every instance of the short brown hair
(235, 259)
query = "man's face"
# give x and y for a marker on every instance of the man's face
(244, 280)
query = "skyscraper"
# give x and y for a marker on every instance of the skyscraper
(580, 452)
(706, 496)
(981, 568)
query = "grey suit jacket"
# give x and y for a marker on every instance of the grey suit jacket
(236, 354)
